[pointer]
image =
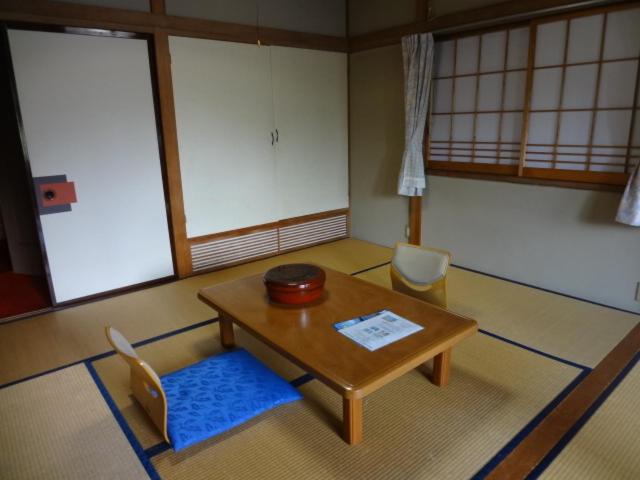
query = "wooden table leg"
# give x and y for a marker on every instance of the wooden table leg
(226, 332)
(352, 420)
(441, 368)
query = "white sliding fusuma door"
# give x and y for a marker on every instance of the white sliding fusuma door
(311, 102)
(88, 116)
(224, 115)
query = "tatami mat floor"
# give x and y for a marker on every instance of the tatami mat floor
(73, 334)
(492, 397)
(504, 381)
(608, 445)
(577, 331)
(58, 426)
(171, 354)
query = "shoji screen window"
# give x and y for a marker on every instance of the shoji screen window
(582, 121)
(478, 100)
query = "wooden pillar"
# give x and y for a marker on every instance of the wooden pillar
(415, 220)
(170, 147)
(422, 10)
(157, 6)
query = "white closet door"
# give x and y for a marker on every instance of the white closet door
(310, 101)
(87, 111)
(224, 115)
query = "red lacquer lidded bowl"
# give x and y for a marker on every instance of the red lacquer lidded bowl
(294, 283)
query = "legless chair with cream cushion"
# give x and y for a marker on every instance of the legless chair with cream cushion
(421, 272)
(206, 398)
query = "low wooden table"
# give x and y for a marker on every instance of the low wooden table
(306, 336)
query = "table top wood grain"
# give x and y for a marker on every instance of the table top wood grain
(306, 336)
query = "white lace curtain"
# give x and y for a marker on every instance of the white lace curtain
(629, 210)
(417, 56)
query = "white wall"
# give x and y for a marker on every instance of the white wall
(327, 17)
(377, 140)
(371, 15)
(556, 238)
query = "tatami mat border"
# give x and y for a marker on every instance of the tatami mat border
(100, 356)
(146, 455)
(534, 350)
(573, 431)
(498, 277)
(78, 303)
(157, 449)
(522, 434)
(370, 268)
(544, 289)
(122, 423)
(27, 317)
(298, 382)
(163, 446)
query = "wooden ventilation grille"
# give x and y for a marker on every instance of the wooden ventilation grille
(317, 231)
(228, 251)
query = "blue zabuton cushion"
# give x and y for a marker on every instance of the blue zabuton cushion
(219, 393)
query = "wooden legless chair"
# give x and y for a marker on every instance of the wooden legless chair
(421, 272)
(185, 405)
(145, 383)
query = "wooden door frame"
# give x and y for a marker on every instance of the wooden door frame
(6, 70)
(158, 25)
(8, 62)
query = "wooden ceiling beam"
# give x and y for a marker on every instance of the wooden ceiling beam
(492, 14)
(89, 16)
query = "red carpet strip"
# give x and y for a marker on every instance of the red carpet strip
(21, 293)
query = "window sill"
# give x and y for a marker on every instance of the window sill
(608, 182)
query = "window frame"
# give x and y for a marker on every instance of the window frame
(521, 173)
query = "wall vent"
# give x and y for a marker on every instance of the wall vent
(227, 251)
(316, 231)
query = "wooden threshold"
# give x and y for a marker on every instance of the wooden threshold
(526, 180)
(496, 169)
(25, 315)
(607, 178)
(268, 226)
(533, 450)
(96, 297)
(313, 216)
(233, 233)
